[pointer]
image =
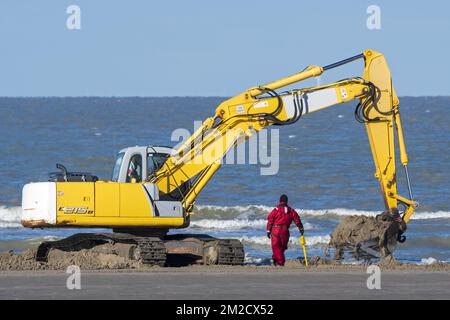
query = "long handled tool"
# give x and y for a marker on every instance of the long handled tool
(303, 244)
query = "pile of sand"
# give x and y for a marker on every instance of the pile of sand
(353, 231)
(106, 256)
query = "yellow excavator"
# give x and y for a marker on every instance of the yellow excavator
(154, 188)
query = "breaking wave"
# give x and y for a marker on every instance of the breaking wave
(236, 217)
(10, 217)
(256, 260)
(430, 261)
(293, 241)
(255, 210)
(236, 224)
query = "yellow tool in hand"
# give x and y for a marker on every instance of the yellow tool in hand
(303, 244)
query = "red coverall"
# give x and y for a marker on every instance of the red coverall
(278, 224)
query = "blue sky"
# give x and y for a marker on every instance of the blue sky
(206, 48)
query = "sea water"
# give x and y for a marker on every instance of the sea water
(325, 167)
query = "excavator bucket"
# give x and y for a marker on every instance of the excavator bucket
(366, 238)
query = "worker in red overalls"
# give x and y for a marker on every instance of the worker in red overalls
(278, 224)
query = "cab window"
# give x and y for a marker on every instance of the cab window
(117, 165)
(155, 162)
(135, 168)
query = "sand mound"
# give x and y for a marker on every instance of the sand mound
(106, 256)
(354, 231)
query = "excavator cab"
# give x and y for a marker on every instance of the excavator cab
(138, 164)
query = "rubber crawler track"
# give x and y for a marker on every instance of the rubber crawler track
(151, 250)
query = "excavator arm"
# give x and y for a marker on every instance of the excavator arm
(188, 170)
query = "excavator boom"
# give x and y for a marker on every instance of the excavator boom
(240, 117)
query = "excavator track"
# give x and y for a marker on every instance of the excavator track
(150, 250)
(203, 249)
(230, 252)
(173, 250)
